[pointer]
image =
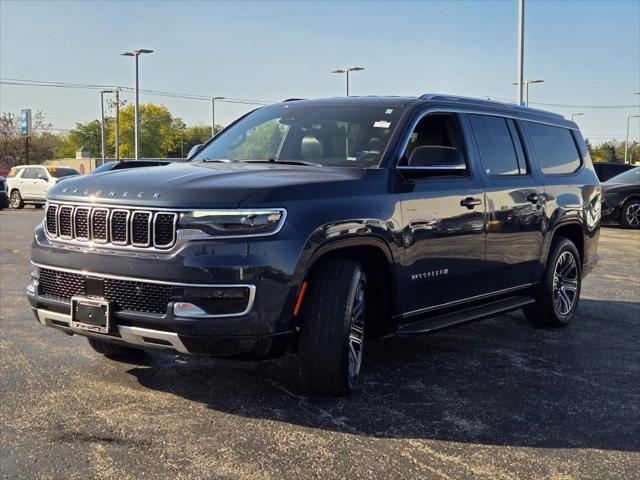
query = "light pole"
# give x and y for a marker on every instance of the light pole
(117, 92)
(526, 84)
(574, 115)
(102, 122)
(520, 72)
(213, 114)
(626, 144)
(136, 54)
(182, 125)
(346, 71)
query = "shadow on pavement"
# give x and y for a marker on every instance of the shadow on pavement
(497, 382)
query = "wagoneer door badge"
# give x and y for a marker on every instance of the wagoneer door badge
(433, 273)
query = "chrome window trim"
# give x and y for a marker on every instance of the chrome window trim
(249, 286)
(174, 225)
(75, 234)
(106, 227)
(149, 228)
(429, 110)
(126, 227)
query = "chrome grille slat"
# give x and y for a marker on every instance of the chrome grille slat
(119, 227)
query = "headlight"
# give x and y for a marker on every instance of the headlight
(234, 223)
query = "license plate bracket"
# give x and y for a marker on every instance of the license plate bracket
(90, 314)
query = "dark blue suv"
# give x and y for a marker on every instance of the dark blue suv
(319, 225)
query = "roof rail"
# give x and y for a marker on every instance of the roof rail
(292, 100)
(480, 101)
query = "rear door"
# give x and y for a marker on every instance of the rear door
(515, 200)
(25, 182)
(443, 239)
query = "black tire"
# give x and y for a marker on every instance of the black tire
(630, 214)
(332, 331)
(109, 349)
(558, 295)
(16, 200)
(38, 205)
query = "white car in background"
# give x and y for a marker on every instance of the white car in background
(30, 183)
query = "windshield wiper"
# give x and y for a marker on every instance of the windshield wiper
(219, 160)
(286, 162)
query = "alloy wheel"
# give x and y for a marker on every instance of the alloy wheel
(632, 215)
(356, 333)
(565, 283)
(15, 199)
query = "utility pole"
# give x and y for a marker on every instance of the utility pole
(626, 144)
(213, 114)
(520, 75)
(182, 125)
(102, 122)
(117, 124)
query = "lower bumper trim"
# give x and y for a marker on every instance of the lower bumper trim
(143, 337)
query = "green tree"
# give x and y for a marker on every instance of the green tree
(156, 131)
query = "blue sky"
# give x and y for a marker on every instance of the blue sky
(588, 53)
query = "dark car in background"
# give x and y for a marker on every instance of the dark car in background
(621, 198)
(607, 170)
(122, 165)
(319, 225)
(4, 195)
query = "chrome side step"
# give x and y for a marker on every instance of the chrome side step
(479, 312)
(142, 337)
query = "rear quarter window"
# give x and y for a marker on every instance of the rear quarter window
(555, 149)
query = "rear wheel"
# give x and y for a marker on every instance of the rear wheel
(113, 350)
(332, 334)
(630, 214)
(557, 297)
(16, 199)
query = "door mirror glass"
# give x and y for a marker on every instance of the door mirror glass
(194, 150)
(43, 176)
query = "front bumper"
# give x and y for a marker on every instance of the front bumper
(262, 330)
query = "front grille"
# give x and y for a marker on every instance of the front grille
(52, 220)
(112, 226)
(141, 296)
(123, 294)
(64, 219)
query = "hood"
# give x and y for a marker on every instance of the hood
(193, 185)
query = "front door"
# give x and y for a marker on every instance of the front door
(444, 240)
(515, 200)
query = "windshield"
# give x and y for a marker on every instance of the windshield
(58, 172)
(104, 167)
(344, 136)
(630, 176)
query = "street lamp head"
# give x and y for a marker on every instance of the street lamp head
(128, 54)
(535, 81)
(355, 69)
(338, 70)
(218, 98)
(142, 50)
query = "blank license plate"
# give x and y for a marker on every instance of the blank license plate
(90, 314)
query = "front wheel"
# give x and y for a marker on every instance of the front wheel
(630, 215)
(16, 199)
(558, 295)
(332, 332)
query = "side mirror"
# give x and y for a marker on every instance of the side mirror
(195, 149)
(43, 176)
(432, 161)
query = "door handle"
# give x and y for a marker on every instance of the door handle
(535, 197)
(470, 202)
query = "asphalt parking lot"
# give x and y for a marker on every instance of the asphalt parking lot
(497, 399)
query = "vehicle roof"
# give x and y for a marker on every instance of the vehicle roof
(43, 166)
(443, 100)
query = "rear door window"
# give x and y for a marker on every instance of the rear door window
(555, 148)
(496, 144)
(29, 173)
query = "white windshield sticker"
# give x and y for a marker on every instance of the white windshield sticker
(389, 111)
(381, 124)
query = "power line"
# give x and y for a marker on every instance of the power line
(89, 86)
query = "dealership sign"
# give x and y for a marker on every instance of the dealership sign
(25, 121)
